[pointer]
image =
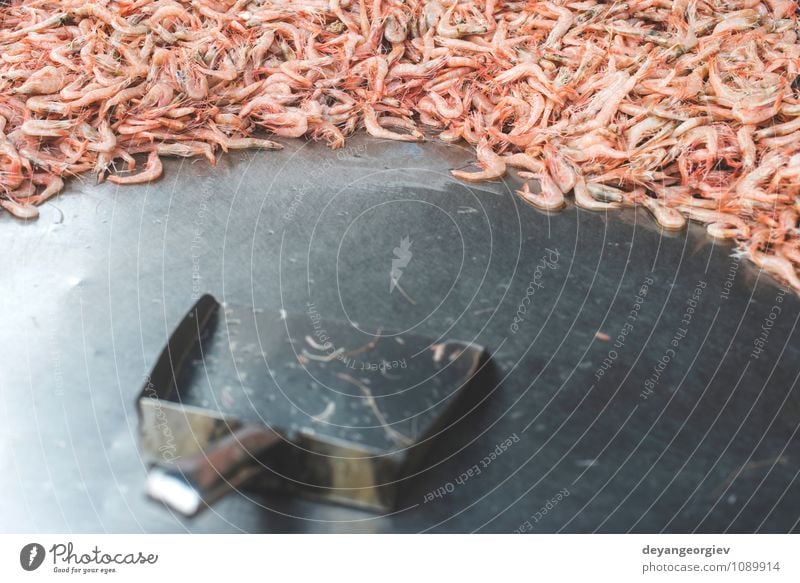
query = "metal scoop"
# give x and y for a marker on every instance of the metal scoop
(243, 398)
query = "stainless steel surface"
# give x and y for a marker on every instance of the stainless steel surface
(190, 484)
(246, 398)
(92, 290)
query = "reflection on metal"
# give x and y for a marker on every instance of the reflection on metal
(241, 398)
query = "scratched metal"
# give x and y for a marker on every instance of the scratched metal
(355, 386)
(706, 442)
(353, 411)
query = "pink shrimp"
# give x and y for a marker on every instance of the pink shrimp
(375, 129)
(43, 82)
(561, 171)
(550, 197)
(152, 171)
(52, 186)
(689, 109)
(493, 166)
(584, 199)
(21, 211)
(776, 265)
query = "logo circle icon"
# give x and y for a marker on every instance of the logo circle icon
(31, 556)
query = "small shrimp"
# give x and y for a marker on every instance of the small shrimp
(560, 169)
(750, 183)
(395, 27)
(735, 21)
(789, 172)
(493, 165)
(778, 129)
(107, 138)
(89, 10)
(46, 104)
(265, 102)
(448, 30)
(550, 197)
(432, 12)
(447, 79)
(188, 149)
(649, 125)
(377, 69)
(605, 193)
(755, 110)
(169, 10)
(451, 135)
(12, 170)
(529, 69)
(744, 137)
(47, 128)
(52, 186)
(775, 265)
(288, 124)
(159, 95)
(54, 20)
(193, 82)
(25, 191)
(97, 95)
(152, 171)
(123, 97)
(782, 8)
(229, 120)
(585, 200)
(413, 70)
(566, 18)
(523, 161)
(375, 129)
(667, 217)
(719, 225)
(21, 211)
(446, 110)
(43, 82)
(254, 143)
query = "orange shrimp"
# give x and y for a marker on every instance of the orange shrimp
(493, 165)
(689, 109)
(375, 129)
(550, 197)
(152, 171)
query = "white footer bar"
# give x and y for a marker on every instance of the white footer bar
(390, 558)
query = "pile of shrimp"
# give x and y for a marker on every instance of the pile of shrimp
(689, 108)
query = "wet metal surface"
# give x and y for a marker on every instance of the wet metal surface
(268, 401)
(644, 382)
